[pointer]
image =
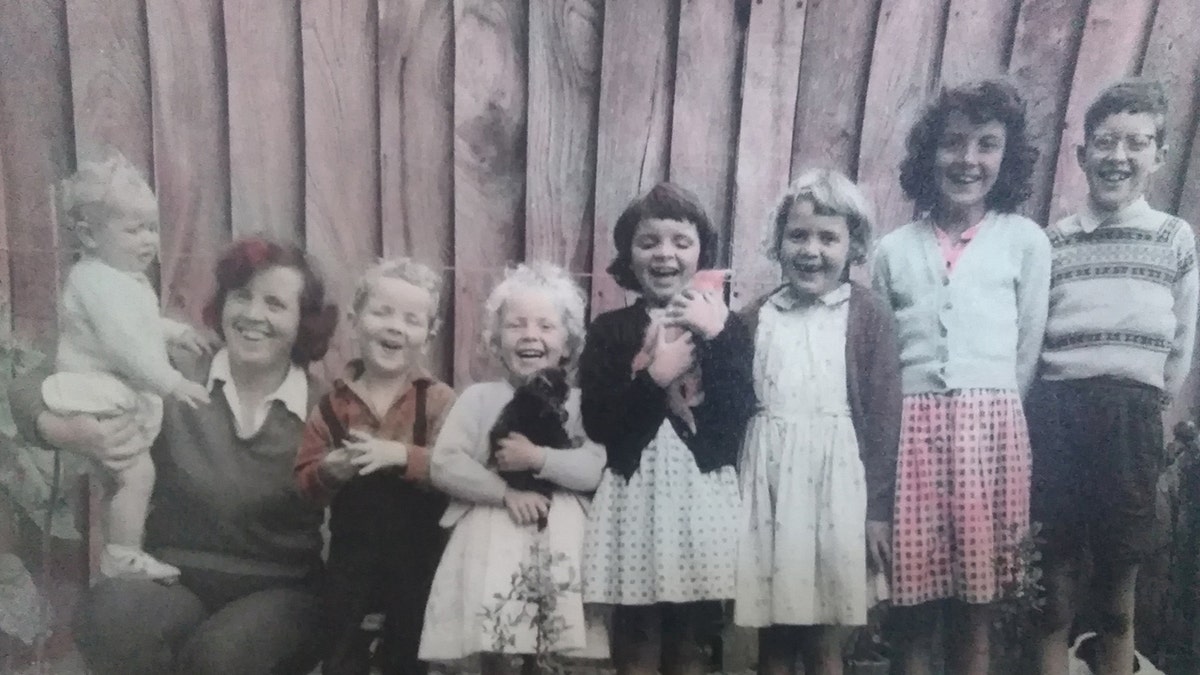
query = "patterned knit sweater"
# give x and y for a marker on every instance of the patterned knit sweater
(1123, 297)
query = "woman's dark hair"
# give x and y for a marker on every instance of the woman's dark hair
(981, 102)
(666, 201)
(246, 258)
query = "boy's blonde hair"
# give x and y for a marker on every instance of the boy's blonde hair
(104, 188)
(542, 277)
(831, 193)
(405, 269)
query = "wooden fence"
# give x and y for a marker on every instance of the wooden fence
(469, 133)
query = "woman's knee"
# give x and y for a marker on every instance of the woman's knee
(134, 626)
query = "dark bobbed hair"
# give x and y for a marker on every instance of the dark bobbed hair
(249, 256)
(981, 102)
(666, 201)
(1129, 96)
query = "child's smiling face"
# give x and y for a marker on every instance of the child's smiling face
(663, 257)
(813, 250)
(393, 326)
(1119, 158)
(126, 241)
(532, 333)
(967, 161)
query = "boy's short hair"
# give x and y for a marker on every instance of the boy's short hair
(101, 189)
(666, 201)
(831, 193)
(543, 277)
(984, 101)
(1129, 96)
(405, 269)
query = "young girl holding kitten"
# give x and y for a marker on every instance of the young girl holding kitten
(819, 459)
(534, 321)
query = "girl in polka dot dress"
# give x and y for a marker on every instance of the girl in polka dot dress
(662, 531)
(819, 460)
(968, 282)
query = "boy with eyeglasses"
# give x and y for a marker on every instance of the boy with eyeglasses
(1118, 345)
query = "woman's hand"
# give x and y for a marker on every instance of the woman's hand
(370, 454)
(703, 313)
(518, 453)
(879, 545)
(194, 342)
(671, 358)
(192, 394)
(525, 508)
(109, 440)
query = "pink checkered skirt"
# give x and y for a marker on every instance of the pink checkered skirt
(962, 497)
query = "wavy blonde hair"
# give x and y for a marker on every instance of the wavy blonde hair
(104, 188)
(831, 193)
(541, 277)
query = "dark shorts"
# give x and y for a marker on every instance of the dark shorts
(1097, 453)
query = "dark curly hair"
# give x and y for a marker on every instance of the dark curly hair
(666, 201)
(986, 101)
(247, 257)
(1129, 96)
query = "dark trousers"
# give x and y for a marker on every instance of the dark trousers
(384, 562)
(207, 624)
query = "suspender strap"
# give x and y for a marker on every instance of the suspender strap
(421, 424)
(337, 430)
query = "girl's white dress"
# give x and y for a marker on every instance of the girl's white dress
(484, 593)
(802, 556)
(668, 534)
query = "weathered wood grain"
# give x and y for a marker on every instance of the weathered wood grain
(416, 133)
(564, 91)
(35, 139)
(833, 84)
(633, 132)
(110, 80)
(979, 35)
(1112, 46)
(704, 119)
(341, 132)
(1043, 58)
(901, 82)
(266, 125)
(774, 42)
(191, 147)
(1173, 57)
(490, 64)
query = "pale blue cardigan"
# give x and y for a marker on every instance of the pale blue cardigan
(980, 326)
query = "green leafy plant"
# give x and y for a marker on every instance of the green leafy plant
(533, 600)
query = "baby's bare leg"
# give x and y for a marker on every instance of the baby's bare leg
(126, 508)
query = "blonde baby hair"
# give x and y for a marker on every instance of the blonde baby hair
(542, 277)
(832, 194)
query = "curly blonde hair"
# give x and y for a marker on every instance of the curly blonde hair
(405, 269)
(102, 189)
(540, 277)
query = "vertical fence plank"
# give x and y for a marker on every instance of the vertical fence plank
(837, 57)
(633, 132)
(771, 76)
(490, 65)
(979, 35)
(1189, 195)
(704, 118)
(191, 142)
(564, 89)
(110, 79)
(341, 131)
(907, 44)
(35, 139)
(266, 127)
(1173, 57)
(6, 316)
(416, 136)
(1043, 59)
(1111, 48)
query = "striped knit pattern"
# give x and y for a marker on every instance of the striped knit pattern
(1123, 298)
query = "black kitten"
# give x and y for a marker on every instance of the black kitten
(537, 410)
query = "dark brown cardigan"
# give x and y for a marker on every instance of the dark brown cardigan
(873, 386)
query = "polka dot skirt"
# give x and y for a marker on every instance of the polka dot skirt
(962, 496)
